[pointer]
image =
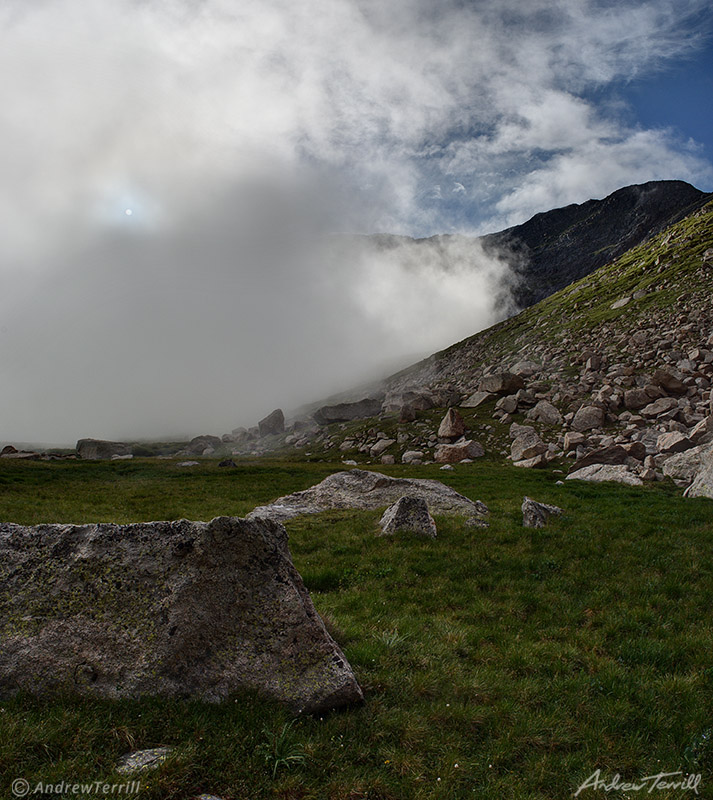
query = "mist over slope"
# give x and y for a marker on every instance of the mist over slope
(662, 286)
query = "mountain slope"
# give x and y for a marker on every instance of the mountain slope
(664, 286)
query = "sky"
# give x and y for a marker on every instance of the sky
(175, 174)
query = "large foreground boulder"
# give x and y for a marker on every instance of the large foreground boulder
(94, 449)
(171, 608)
(361, 489)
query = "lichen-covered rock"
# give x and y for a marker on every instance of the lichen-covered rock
(143, 760)
(535, 515)
(170, 608)
(702, 485)
(408, 513)
(358, 488)
(685, 466)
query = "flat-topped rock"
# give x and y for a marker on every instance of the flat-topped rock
(363, 489)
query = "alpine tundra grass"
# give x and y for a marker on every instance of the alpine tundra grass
(496, 663)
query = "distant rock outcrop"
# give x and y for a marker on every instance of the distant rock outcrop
(345, 412)
(359, 488)
(169, 608)
(272, 424)
(204, 445)
(94, 449)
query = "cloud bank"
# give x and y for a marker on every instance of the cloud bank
(240, 136)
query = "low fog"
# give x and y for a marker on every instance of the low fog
(187, 185)
(217, 319)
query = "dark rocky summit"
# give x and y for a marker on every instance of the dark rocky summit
(560, 246)
(171, 608)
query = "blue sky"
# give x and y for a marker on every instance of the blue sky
(680, 96)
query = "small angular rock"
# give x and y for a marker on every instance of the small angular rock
(535, 515)
(408, 513)
(452, 425)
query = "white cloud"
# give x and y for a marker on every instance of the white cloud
(602, 166)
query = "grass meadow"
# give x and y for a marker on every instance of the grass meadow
(496, 663)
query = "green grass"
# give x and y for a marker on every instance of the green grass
(528, 658)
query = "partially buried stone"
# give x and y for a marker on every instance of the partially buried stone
(408, 513)
(142, 760)
(535, 515)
